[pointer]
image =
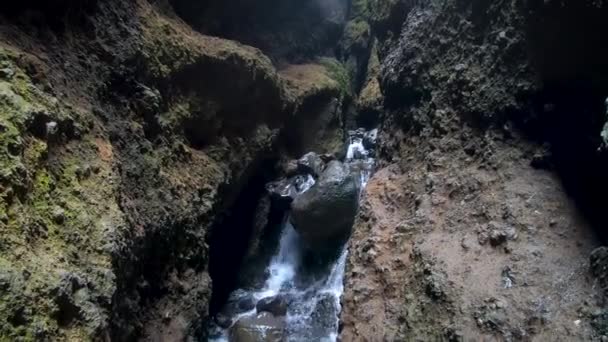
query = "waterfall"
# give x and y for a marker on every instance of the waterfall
(313, 296)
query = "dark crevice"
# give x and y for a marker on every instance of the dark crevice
(568, 46)
(297, 135)
(286, 30)
(231, 234)
(56, 15)
(570, 117)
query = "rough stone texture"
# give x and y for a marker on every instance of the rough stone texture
(599, 266)
(123, 135)
(417, 268)
(311, 163)
(469, 57)
(459, 237)
(370, 100)
(318, 90)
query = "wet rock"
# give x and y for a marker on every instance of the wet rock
(322, 316)
(303, 183)
(246, 303)
(239, 302)
(369, 139)
(276, 305)
(282, 191)
(325, 214)
(311, 163)
(260, 223)
(318, 122)
(362, 169)
(263, 327)
(223, 321)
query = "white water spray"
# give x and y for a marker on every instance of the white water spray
(313, 302)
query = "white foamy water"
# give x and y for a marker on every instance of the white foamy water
(356, 149)
(313, 300)
(282, 268)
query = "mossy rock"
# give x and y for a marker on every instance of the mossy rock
(370, 100)
(357, 35)
(339, 73)
(306, 80)
(361, 9)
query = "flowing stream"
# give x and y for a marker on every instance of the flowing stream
(313, 292)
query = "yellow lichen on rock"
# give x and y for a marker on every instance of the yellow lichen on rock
(51, 228)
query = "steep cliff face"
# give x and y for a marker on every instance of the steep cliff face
(124, 135)
(490, 116)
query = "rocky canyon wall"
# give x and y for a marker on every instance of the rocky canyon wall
(481, 219)
(125, 137)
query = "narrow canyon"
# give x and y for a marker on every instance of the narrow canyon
(303, 170)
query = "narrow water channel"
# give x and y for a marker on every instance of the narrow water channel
(309, 294)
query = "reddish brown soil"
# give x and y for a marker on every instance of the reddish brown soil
(425, 265)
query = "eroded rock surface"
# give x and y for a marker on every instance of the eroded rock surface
(124, 137)
(465, 231)
(417, 268)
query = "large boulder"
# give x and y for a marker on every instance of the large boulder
(263, 327)
(324, 215)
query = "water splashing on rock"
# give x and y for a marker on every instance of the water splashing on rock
(300, 298)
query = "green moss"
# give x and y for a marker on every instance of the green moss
(360, 9)
(381, 8)
(356, 35)
(33, 240)
(338, 72)
(169, 47)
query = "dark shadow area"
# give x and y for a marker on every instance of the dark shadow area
(569, 46)
(292, 30)
(54, 14)
(571, 117)
(300, 132)
(231, 235)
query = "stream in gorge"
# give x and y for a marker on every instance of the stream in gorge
(299, 299)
